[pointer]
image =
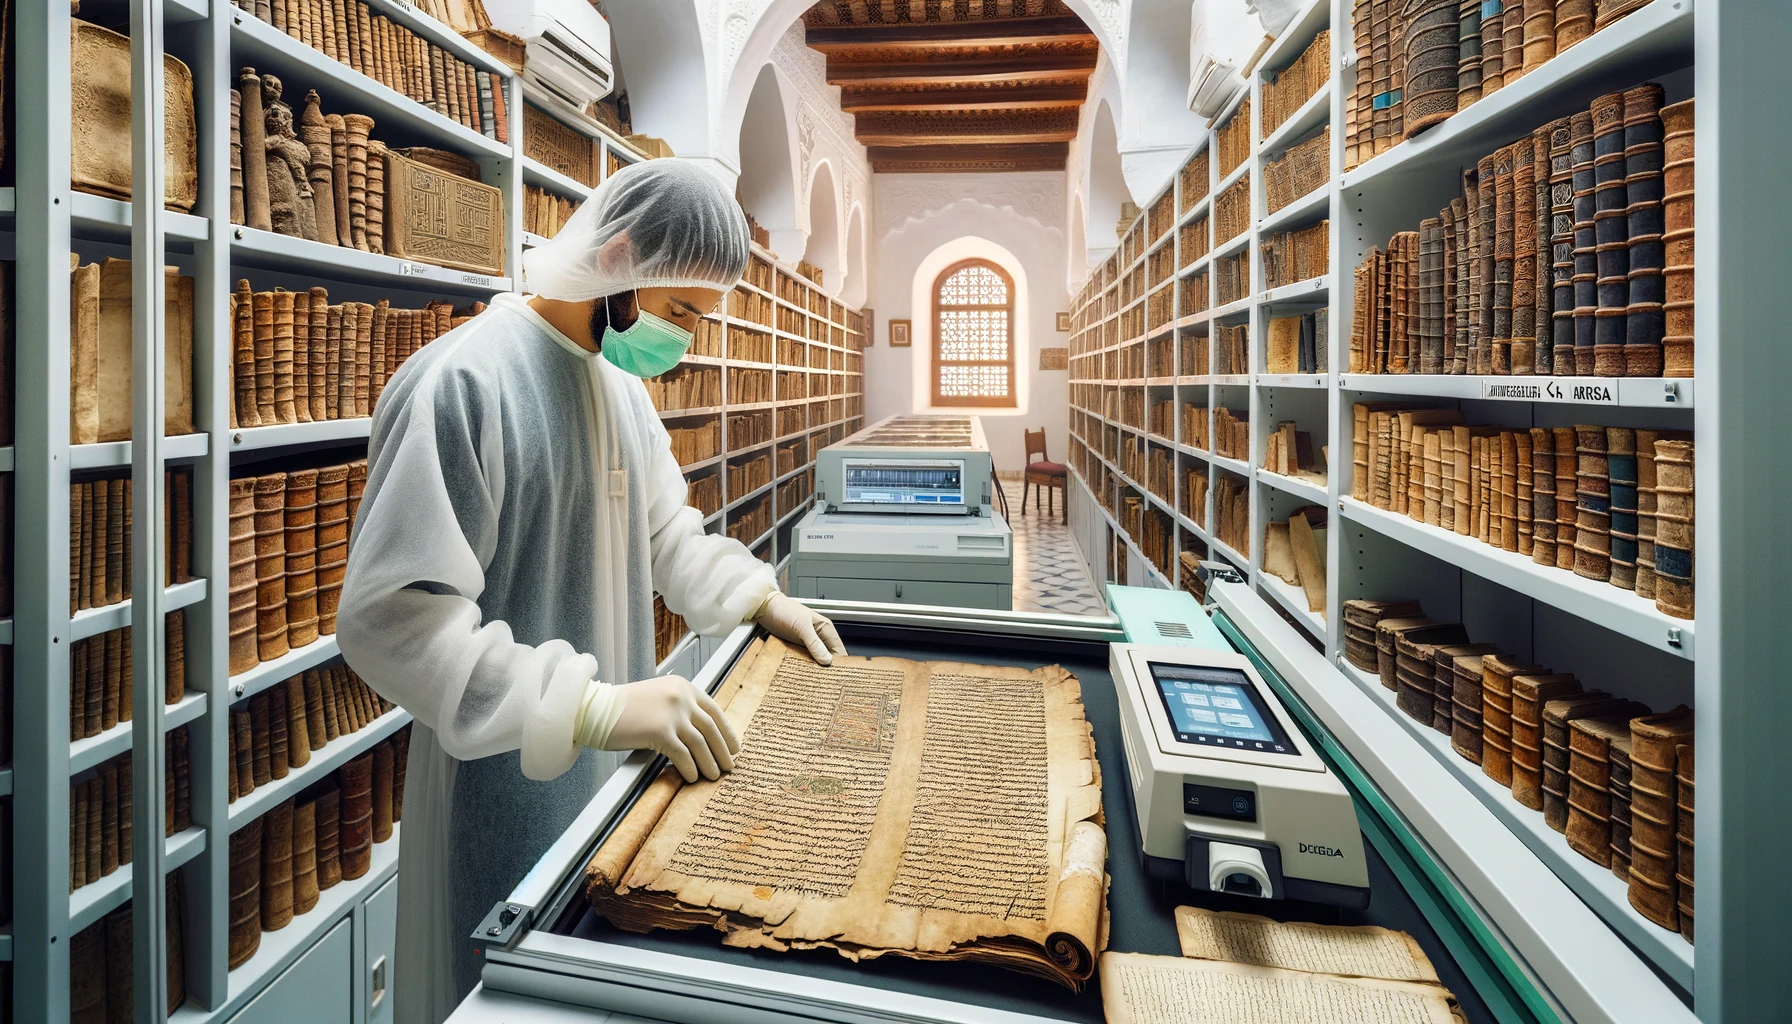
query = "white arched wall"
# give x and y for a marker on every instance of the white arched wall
(825, 249)
(1106, 184)
(1156, 126)
(1076, 254)
(664, 51)
(925, 222)
(855, 283)
(767, 184)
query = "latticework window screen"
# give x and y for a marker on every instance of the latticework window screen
(973, 335)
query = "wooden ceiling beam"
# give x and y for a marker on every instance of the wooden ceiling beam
(865, 99)
(1046, 156)
(943, 35)
(1032, 67)
(909, 140)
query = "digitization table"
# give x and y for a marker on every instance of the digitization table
(546, 951)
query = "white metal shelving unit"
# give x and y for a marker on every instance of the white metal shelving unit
(1607, 636)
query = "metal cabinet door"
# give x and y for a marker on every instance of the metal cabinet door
(382, 939)
(317, 987)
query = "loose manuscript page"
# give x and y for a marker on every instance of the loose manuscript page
(1141, 989)
(1361, 952)
(927, 809)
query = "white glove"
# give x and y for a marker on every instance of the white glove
(789, 619)
(665, 714)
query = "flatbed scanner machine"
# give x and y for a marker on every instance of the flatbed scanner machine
(903, 513)
(1509, 941)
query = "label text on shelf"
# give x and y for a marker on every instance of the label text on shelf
(1550, 389)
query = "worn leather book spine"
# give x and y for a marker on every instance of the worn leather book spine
(357, 816)
(1655, 740)
(84, 352)
(1683, 855)
(1645, 513)
(318, 347)
(332, 543)
(245, 893)
(377, 352)
(1677, 223)
(1543, 256)
(1586, 264)
(1567, 492)
(401, 751)
(1512, 41)
(332, 713)
(315, 728)
(262, 307)
(276, 868)
(339, 176)
(180, 532)
(1432, 52)
(333, 363)
(1539, 33)
(382, 792)
(301, 356)
(243, 650)
(1465, 712)
(1522, 345)
(270, 565)
(1590, 753)
(278, 766)
(1592, 528)
(261, 741)
(314, 132)
(77, 835)
(329, 837)
(182, 819)
(356, 128)
(1619, 790)
(1621, 472)
(1644, 317)
(1508, 490)
(242, 358)
(87, 975)
(364, 359)
(1468, 60)
(1674, 528)
(376, 196)
(1487, 266)
(1574, 22)
(256, 210)
(1497, 672)
(282, 313)
(301, 557)
(242, 733)
(1562, 246)
(237, 215)
(1611, 235)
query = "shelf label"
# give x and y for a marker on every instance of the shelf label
(1570, 390)
(478, 280)
(408, 269)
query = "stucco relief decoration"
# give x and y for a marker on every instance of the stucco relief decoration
(903, 203)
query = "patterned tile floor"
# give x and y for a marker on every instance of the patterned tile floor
(1048, 573)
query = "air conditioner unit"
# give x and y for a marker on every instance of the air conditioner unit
(567, 47)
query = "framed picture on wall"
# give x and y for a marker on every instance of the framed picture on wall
(1054, 358)
(899, 336)
(1063, 323)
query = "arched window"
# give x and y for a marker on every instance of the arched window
(973, 335)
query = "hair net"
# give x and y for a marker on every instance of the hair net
(683, 229)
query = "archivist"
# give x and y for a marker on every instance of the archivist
(522, 508)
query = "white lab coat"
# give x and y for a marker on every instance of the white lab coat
(522, 507)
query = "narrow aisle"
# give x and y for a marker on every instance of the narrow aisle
(1048, 574)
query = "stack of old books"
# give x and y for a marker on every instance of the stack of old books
(100, 689)
(1298, 255)
(295, 358)
(99, 545)
(704, 494)
(1232, 354)
(750, 475)
(276, 730)
(746, 429)
(1232, 143)
(100, 94)
(1294, 552)
(1421, 61)
(560, 148)
(100, 806)
(1297, 343)
(1298, 171)
(1614, 778)
(1232, 434)
(749, 523)
(668, 629)
(282, 861)
(1232, 513)
(686, 387)
(101, 985)
(544, 212)
(1569, 253)
(99, 382)
(357, 34)
(1285, 91)
(288, 554)
(323, 178)
(1194, 184)
(1232, 211)
(1609, 503)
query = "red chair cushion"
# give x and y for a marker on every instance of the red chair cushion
(1051, 468)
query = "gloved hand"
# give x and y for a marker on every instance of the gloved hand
(789, 619)
(667, 715)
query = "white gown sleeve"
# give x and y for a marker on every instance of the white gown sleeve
(710, 579)
(408, 622)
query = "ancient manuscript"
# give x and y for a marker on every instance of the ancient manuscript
(932, 810)
(1141, 989)
(1361, 952)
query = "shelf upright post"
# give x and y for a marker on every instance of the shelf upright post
(206, 892)
(1742, 362)
(40, 153)
(1338, 421)
(148, 322)
(506, 174)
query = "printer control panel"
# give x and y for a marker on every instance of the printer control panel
(1212, 706)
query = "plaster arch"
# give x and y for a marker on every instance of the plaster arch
(824, 224)
(1076, 259)
(927, 271)
(1106, 184)
(856, 281)
(767, 184)
(663, 55)
(1156, 125)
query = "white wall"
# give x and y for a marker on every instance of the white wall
(925, 221)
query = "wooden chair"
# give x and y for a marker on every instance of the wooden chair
(1041, 473)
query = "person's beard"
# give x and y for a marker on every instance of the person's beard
(623, 307)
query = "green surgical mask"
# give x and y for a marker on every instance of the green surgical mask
(649, 348)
